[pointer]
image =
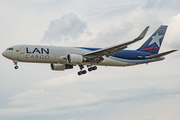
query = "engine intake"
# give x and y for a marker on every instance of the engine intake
(60, 67)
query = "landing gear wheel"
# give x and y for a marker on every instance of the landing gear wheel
(80, 73)
(16, 67)
(94, 68)
(15, 63)
(90, 69)
(84, 72)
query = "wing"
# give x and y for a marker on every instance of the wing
(114, 49)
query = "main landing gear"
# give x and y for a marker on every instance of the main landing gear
(92, 68)
(15, 63)
(84, 71)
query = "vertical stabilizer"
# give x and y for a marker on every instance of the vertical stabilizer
(153, 44)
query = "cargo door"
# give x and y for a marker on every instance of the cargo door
(22, 50)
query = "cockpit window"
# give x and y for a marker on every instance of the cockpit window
(9, 49)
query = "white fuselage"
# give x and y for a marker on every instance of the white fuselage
(53, 54)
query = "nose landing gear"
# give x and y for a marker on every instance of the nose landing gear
(15, 63)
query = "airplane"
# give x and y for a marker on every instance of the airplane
(62, 58)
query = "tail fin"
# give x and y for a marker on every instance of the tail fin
(153, 44)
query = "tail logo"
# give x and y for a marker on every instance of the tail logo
(155, 39)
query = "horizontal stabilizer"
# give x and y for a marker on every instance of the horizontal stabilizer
(161, 54)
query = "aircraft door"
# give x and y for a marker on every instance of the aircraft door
(22, 50)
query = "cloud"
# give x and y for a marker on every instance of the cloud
(108, 93)
(68, 27)
(129, 27)
(162, 4)
(173, 33)
(34, 101)
(70, 93)
(59, 81)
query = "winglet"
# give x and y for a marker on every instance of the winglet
(141, 36)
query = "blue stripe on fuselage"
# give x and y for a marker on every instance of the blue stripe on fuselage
(126, 54)
(132, 55)
(90, 49)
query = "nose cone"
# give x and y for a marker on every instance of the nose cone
(4, 53)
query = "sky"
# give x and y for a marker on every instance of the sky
(142, 92)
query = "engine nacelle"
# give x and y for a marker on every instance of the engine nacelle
(60, 66)
(75, 58)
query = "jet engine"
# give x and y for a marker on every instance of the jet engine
(75, 58)
(60, 67)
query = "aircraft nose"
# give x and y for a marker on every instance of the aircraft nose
(4, 53)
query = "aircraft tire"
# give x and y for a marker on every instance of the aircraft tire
(84, 72)
(16, 67)
(80, 73)
(94, 68)
(90, 69)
